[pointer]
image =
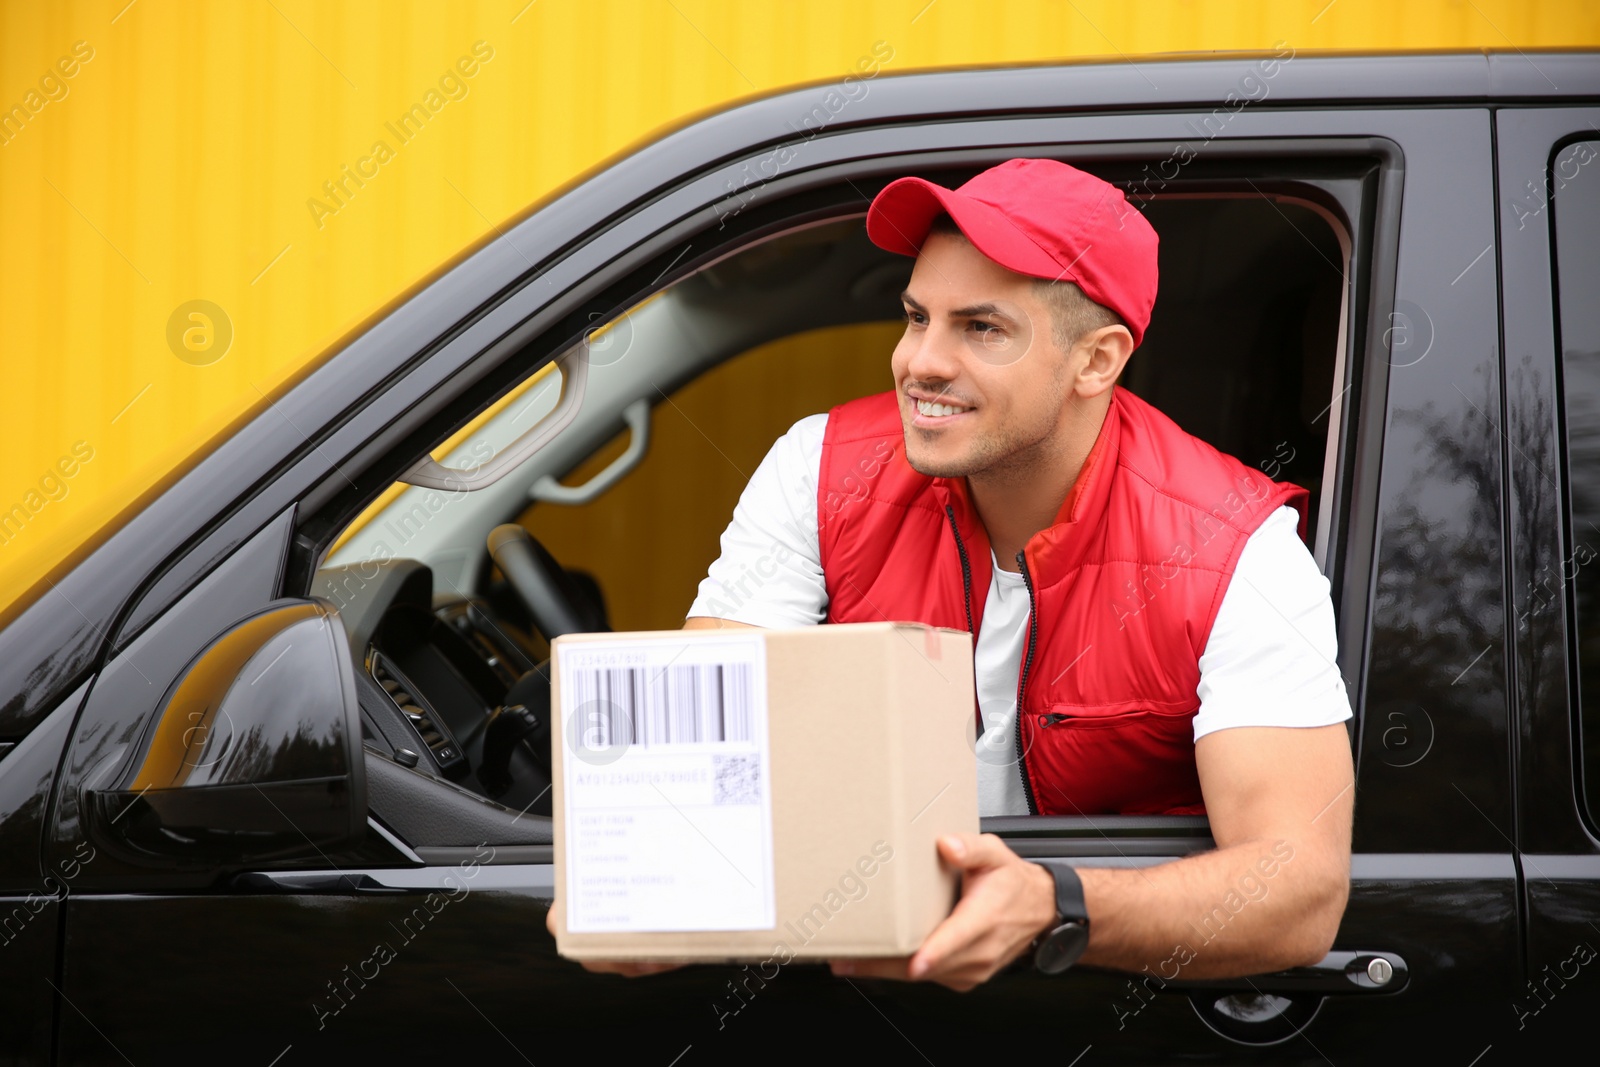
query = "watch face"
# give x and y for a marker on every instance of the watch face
(1061, 947)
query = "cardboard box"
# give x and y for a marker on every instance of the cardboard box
(747, 795)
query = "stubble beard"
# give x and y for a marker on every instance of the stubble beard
(1003, 457)
(999, 456)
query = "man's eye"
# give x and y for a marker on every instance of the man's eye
(914, 317)
(984, 327)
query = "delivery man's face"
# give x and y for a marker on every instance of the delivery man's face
(982, 385)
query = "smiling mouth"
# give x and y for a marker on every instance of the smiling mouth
(936, 409)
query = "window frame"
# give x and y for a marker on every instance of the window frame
(1552, 831)
(658, 257)
(1585, 779)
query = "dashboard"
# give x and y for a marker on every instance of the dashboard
(432, 675)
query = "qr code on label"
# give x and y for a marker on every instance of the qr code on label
(738, 779)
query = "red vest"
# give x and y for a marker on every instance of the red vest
(1124, 588)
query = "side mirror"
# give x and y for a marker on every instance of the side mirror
(255, 755)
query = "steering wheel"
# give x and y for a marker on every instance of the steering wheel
(555, 600)
(544, 585)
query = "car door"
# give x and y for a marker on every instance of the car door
(1432, 923)
(1549, 208)
(386, 949)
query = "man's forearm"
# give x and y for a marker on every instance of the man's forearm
(1260, 905)
(710, 622)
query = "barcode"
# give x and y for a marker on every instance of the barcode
(687, 704)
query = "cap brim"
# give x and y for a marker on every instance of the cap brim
(901, 215)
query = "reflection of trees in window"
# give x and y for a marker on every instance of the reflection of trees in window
(1537, 594)
(1439, 590)
(1437, 665)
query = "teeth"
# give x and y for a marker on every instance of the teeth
(929, 407)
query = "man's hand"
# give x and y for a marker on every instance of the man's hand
(626, 968)
(1005, 903)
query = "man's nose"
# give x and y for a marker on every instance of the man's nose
(935, 356)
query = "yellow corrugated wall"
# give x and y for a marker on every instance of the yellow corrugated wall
(160, 152)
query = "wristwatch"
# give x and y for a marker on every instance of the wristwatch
(1059, 947)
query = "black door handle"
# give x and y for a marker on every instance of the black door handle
(1340, 971)
(1265, 1008)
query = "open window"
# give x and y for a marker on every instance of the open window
(1245, 351)
(683, 392)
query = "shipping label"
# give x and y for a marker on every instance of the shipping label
(667, 785)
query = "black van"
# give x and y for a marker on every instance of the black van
(1380, 280)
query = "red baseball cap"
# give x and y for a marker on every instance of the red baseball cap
(1038, 217)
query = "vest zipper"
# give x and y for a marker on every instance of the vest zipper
(1022, 681)
(966, 596)
(966, 567)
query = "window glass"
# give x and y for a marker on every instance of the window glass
(1261, 386)
(1575, 218)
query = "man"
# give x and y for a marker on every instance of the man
(1151, 635)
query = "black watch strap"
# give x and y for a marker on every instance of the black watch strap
(1060, 946)
(1069, 892)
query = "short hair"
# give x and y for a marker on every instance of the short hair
(1072, 313)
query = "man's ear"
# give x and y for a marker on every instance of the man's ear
(1107, 350)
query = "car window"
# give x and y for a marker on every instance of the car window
(1575, 220)
(1261, 383)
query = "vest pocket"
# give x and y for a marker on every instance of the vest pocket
(1132, 762)
(1084, 718)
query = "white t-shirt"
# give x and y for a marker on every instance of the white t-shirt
(1268, 662)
